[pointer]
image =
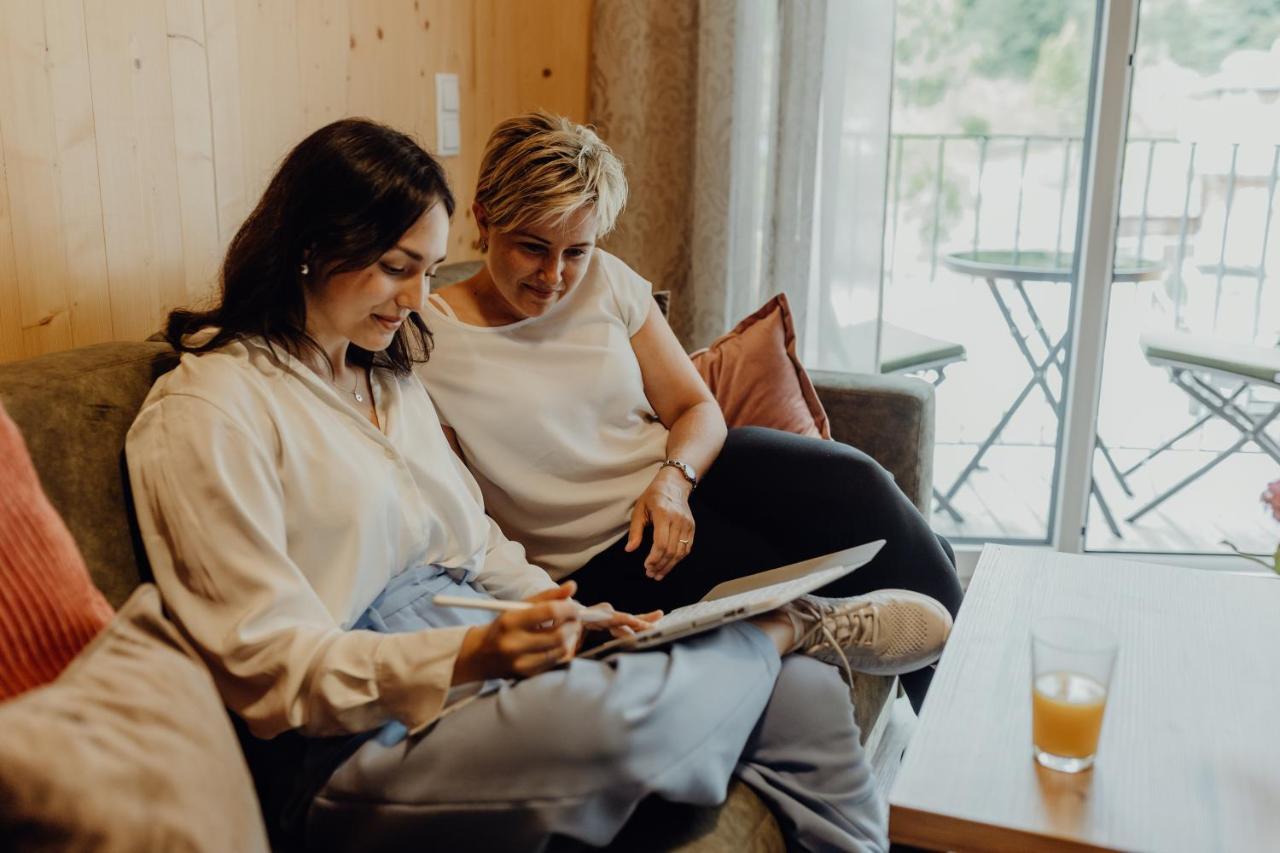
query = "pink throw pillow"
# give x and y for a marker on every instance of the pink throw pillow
(758, 380)
(49, 607)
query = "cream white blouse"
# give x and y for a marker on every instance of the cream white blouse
(273, 513)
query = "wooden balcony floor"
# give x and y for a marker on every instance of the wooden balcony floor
(1007, 499)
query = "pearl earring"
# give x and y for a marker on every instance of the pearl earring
(304, 269)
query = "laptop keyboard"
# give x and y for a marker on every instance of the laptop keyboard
(700, 612)
(695, 614)
(786, 583)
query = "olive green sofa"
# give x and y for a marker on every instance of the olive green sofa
(75, 407)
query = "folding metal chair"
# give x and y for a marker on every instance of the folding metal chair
(1194, 360)
(905, 351)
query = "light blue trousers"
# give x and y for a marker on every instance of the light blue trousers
(574, 751)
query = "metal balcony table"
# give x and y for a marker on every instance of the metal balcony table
(1016, 270)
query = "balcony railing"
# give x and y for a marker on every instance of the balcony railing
(1203, 210)
(942, 189)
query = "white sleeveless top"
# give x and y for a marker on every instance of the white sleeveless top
(551, 414)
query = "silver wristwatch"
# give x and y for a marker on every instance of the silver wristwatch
(684, 468)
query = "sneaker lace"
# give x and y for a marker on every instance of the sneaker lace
(837, 627)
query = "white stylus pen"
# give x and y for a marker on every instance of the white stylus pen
(586, 614)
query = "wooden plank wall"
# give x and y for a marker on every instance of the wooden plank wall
(135, 135)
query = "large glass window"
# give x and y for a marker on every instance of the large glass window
(989, 111)
(1189, 378)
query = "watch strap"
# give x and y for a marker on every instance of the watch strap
(685, 469)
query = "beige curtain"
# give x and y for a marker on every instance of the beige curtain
(644, 100)
(719, 109)
(663, 94)
(719, 146)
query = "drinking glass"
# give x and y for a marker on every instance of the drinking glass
(1071, 665)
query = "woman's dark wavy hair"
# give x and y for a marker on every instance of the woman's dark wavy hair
(341, 199)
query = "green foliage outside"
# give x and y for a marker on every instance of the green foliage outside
(1197, 35)
(985, 67)
(1044, 40)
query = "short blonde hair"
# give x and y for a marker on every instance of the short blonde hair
(541, 168)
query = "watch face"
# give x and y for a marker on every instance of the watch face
(686, 469)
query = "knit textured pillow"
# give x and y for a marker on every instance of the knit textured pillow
(129, 749)
(49, 608)
(758, 379)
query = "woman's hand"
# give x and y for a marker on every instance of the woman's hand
(521, 643)
(622, 624)
(665, 505)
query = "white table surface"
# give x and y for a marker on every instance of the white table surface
(1189, 758)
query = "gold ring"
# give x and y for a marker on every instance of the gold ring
(684, 541)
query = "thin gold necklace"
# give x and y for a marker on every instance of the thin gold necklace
(355, 390)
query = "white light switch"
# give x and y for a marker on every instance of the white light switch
(450, 134)
(448, 115)
(448, 89)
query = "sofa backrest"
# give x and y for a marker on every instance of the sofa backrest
(74, 409)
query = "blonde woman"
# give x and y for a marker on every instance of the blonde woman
(596, 444)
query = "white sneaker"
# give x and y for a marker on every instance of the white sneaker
(886, 632)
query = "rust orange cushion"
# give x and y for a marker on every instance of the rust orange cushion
(757, 378)
(49, 608)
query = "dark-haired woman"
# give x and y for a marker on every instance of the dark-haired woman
(301, 509)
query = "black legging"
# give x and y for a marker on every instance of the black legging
(774, 498)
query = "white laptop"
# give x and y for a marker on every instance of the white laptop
(742, 598)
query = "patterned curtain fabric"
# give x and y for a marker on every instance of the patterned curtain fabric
(644, 97)
(711, 298)
(715, 107)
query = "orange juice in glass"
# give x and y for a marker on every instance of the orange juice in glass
(1071, 662)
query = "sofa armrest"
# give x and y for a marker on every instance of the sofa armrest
(890, 418)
